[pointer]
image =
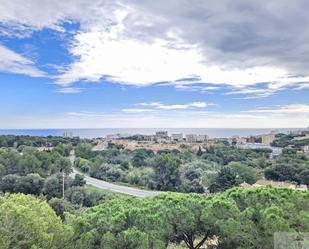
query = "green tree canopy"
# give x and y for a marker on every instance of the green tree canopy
(29, 223)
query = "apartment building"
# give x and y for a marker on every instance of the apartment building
(177, 137)
(268, 138)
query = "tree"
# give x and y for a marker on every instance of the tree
(29, 164)
(76, 195)
(139, 158)
(243, 172)
(79, 180)
(304, 177)
(8, 183)
(61, 206)
(63, 164)
(30, 184)
(2, 170)
(84, 150)
(166, 168)
(225, 179)
(190, 180)
(282, 172)
(28, 223)
(83, 164)
(53, 185)
(141, 176)
(63, 149)
(154, 223)
(9, 158)
(265, 211)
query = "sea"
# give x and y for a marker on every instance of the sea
(97, 133)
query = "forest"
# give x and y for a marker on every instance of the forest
(36, 213)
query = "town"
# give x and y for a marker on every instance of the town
(161, 140)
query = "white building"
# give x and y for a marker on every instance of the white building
(148, 138)
(191, 138)
(194, 138)
(202, 138)
(161, 134)
(302, 137)
(275, 150)
(111, 137)
(68, 134)
(177, 137)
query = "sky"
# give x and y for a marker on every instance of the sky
(153, 64)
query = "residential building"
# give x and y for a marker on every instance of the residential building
(191, 138)
(238, 140)
(68, 134)
(202, 138)
(111, 137)
(251, 139)
(305, 136)
(177, 137)
(264, 182)
(45, 149)
(302, 187)
(148, 138)
(268, 138)
(276, 151)
(161, 134)
(297, 132)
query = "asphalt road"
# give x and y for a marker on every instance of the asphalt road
(113, 187)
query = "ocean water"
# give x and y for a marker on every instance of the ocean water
(94, 133)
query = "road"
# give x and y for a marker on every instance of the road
(110, 186)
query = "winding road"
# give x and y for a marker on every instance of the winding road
(110, 186)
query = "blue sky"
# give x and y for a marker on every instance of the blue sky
(120, 64)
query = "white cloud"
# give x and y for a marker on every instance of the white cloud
(161, 106)
(21, 18)
(155, 104)
(145, 42)
(287, 109)
(13, 62)
(200, 104)
(129, 61)
(197, 88)
(69, 90)
(138, 110)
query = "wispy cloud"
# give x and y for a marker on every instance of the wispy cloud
(138, 110)
(161, 106)
(13, 62)
(69, 90)
(86, 114)
(197, 88)
(287, 109)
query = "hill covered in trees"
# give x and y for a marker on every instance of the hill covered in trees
(238, 218)
(34, 214)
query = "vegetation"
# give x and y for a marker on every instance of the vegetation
(238, 218)
(34, 215)
(29, 223)
(215, 168)
(27, 170)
